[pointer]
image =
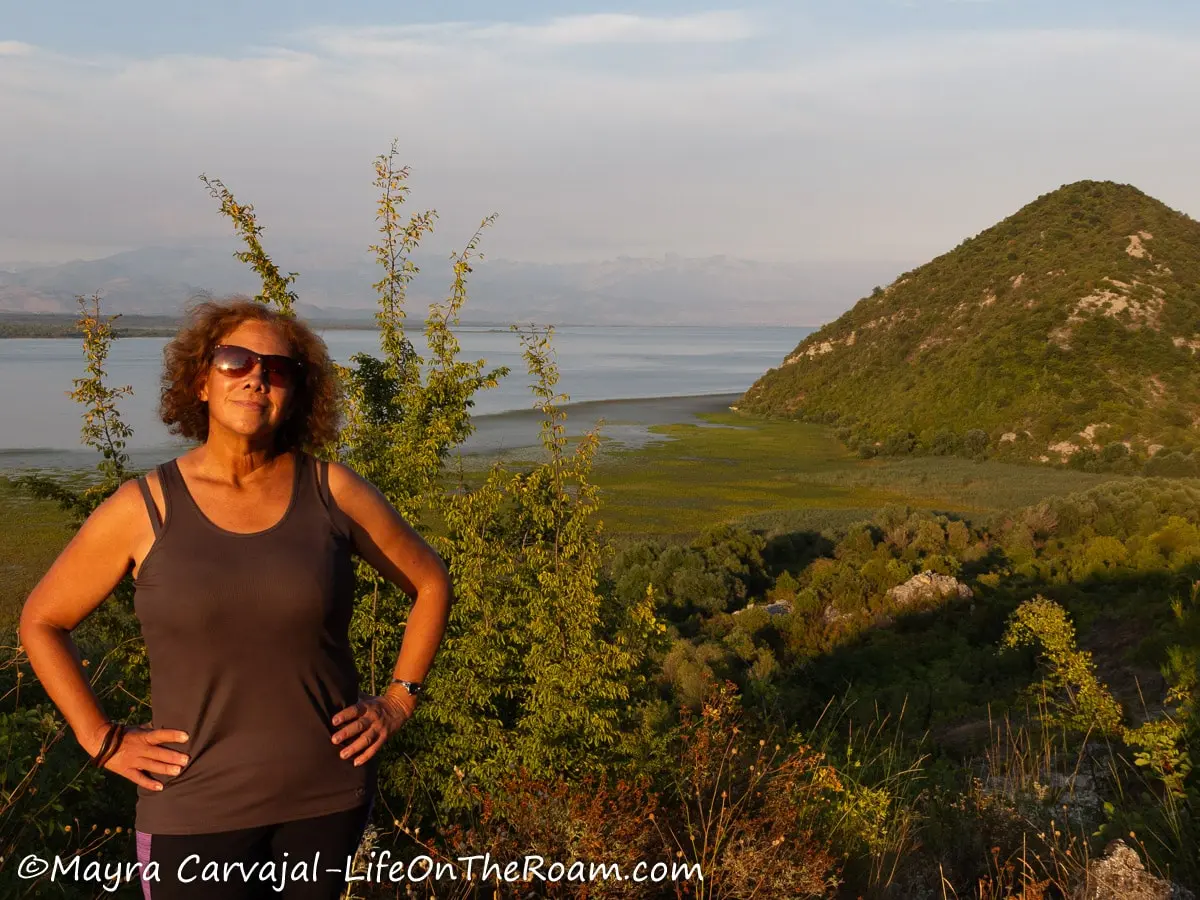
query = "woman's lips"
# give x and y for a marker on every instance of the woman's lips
(250, 405)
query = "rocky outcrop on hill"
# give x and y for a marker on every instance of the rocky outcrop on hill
(928, 587)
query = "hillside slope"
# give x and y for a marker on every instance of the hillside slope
(1069, 329)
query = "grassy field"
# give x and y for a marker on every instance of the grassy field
(778, 476)
(789, 476)
(33, 533)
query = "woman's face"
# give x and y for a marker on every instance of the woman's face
(251, 405)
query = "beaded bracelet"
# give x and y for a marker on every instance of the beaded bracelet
(110, 745)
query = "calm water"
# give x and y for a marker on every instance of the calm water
(40, 424)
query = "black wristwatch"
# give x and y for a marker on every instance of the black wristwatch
(413, 687)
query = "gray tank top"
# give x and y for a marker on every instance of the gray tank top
(249, 654)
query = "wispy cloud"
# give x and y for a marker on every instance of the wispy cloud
(795, 145)
(15, 48)
(566, 31)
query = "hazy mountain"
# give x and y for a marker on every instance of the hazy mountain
(1068, 330)
(670, 290)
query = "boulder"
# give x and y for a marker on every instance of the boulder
(1120, 875)
(928, 586)
(778, 608)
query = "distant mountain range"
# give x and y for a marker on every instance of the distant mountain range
(1068, 332)
(666, 291)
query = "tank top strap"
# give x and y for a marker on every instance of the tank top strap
(304, 483)
(317, 481)
(171, 480)
(179, 501)
(151, 508)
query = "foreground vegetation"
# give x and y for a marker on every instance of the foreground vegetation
(755, 691)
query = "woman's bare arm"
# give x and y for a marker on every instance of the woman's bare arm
(385, 540)
(83, 575)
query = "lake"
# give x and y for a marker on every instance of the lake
(633, 376)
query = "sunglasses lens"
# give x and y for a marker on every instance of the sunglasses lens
(281, 371)
(233, 361)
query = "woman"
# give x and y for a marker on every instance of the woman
(261, 747)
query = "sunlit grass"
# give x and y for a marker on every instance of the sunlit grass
(34, 532)
(787, 476)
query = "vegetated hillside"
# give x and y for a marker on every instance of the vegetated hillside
(1068, 332)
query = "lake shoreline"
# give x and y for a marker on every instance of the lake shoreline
(627, 422)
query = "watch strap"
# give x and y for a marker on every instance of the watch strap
(413, 687)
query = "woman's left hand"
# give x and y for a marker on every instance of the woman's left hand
(370, 722)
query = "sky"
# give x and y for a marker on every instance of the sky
(777, 131)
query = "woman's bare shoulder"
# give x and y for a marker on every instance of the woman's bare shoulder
(127, 504)
(354, 495)
(341, 475)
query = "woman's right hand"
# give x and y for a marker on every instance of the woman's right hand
(140, 752)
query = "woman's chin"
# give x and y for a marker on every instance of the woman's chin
(250, 428)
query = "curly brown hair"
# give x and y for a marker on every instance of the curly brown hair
(315, 415)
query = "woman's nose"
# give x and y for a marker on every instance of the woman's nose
(258, 376)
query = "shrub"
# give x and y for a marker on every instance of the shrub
(976, 442)
(945, 443)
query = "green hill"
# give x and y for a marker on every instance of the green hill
(1066, 333)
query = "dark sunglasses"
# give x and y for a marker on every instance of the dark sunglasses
(238, 362)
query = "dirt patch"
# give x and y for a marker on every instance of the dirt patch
(931, 341)
(1089, 433)
(1193, 344)
(1063, 448)
(1062, 337)
(1137, 249)
(1158, 390)
(889, 321)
